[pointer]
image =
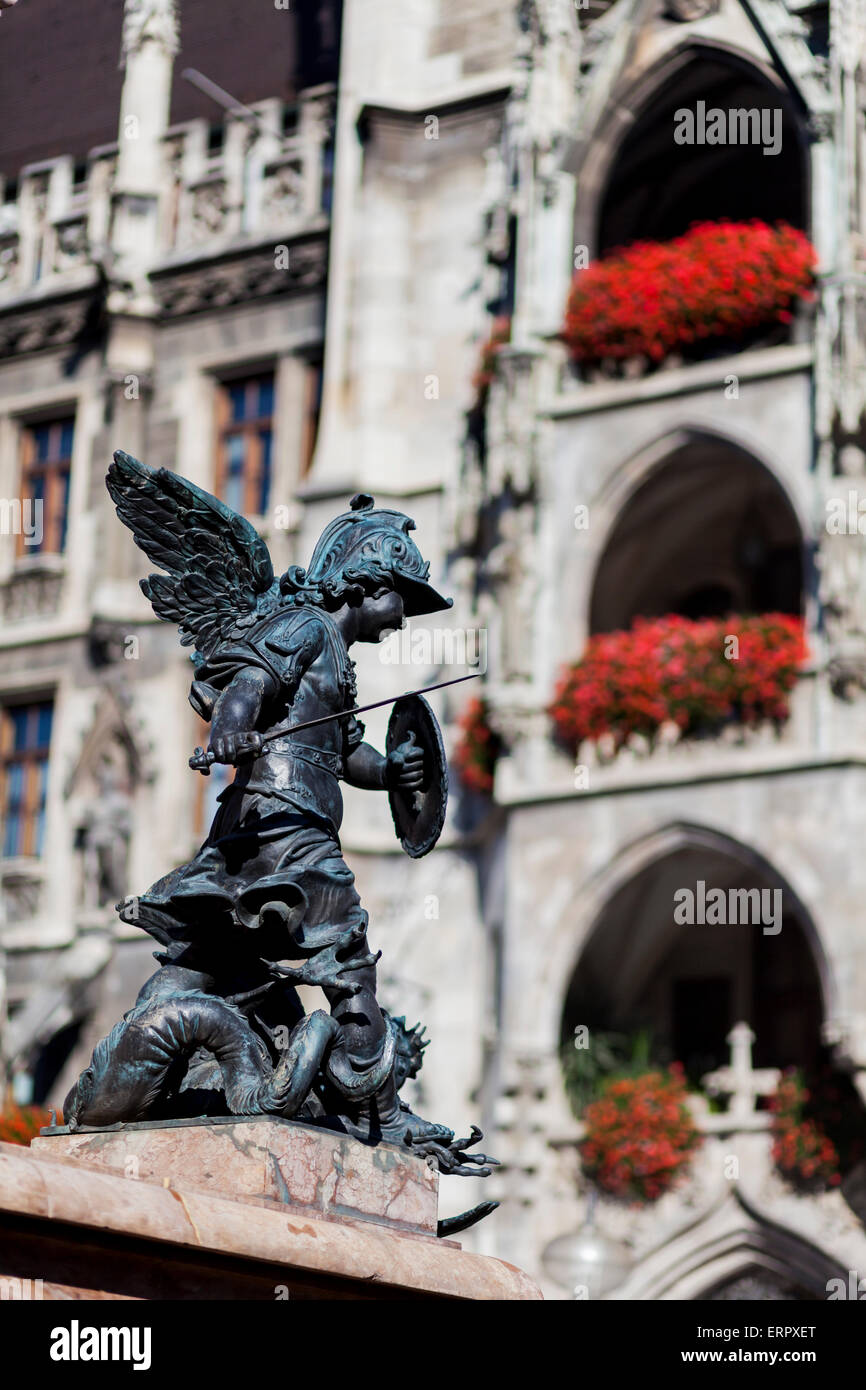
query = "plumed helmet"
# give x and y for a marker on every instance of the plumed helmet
(369, 545)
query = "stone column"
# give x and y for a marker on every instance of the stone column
(150, 41)
(318, 114)
(840, 357)
(289, 423)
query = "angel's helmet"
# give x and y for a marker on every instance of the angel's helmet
(368, 546)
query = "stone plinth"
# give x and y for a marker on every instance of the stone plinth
(314, 1171)
(257, 1209)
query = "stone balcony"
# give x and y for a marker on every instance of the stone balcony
(821, 730)
(263, 180)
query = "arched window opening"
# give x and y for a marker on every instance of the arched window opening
(680, 987)
(709, 533)
(657, 188)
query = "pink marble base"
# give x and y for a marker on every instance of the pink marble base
(86, 1229)
(311, 1170)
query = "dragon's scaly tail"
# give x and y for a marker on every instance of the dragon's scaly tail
(310, 1041)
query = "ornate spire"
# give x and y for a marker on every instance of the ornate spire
(155, 20)
(848, 32)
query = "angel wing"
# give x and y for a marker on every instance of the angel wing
(218, 568)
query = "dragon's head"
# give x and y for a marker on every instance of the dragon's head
(409, 1056)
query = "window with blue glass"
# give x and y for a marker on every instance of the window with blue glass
(245, 443)
(46, 465)
(25, 742)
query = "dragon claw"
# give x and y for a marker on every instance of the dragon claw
(452, 1158)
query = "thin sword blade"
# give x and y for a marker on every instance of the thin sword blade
(362, 709)
(201, 759)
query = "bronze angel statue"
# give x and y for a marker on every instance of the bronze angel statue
(268, 902)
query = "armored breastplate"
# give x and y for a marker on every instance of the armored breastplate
(294, 768)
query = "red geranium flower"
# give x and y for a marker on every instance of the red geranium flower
(478, 749)
(640, 1135)
(674, 670)
(720, 279)
(21, 1123)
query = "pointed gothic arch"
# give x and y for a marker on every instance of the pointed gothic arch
(114, 763)
(636, 968)
(633, 189)
(115, 734)
(731, 1239)
(699, 524)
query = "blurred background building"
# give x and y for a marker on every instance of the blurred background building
(336, 257)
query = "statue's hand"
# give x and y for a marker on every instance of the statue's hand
(232, 748)
(404, 767)
(325, 967)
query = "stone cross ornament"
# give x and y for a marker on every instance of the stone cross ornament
(268, 902)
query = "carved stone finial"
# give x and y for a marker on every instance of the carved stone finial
(740, 1080)
(154, 20)
(821, 125)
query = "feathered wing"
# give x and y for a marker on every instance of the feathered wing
(217, 566)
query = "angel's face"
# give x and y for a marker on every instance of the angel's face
(380, 612)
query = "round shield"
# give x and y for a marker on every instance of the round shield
(419, 814)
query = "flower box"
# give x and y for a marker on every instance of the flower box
(478, 749)
(817, 1128)
(21, 1123)
(482, 379)
(719, 287)
(673, 670)
(640, 1135)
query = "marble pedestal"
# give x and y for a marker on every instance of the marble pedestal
(256, 1208)
(313, 1171)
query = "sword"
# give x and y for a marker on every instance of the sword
(201, 761)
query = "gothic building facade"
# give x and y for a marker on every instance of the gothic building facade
(267, 249)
